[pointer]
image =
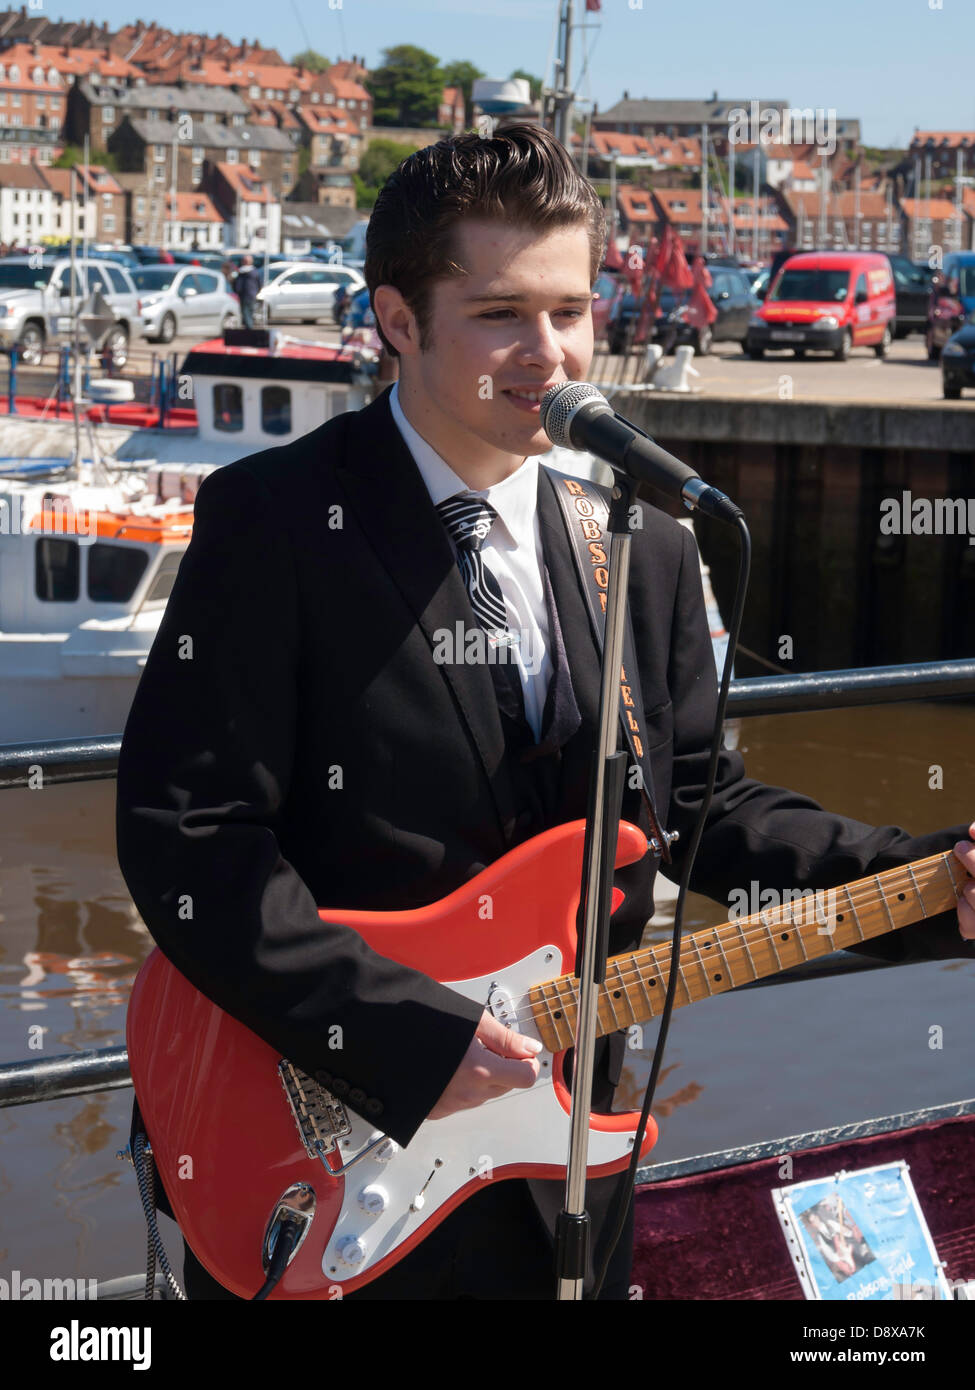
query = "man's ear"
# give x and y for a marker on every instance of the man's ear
(397, 320)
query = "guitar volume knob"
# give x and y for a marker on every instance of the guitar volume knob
(352, 1250)
(373, 1199)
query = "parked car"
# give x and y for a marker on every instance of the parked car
(37, 295)
(759, 280)
(826, 301)
(730, 293)
(208, 260)
(958, 360)
(306, 291)
(184, 299)
(912, 286)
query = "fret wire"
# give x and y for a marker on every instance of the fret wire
(626, 989)
(748, 949)
(724, 957)
(700, 957)
(876, 879)
(642, 981)
(799, 936)
(954, 885)
(556, 1022)
(771, 939)
(853, 909)
(924, 910)
(605, 990)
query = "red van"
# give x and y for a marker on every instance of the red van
(827, 301)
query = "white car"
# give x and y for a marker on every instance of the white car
(184, 299)
(306, 291)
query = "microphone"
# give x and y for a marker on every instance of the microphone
(575, 415)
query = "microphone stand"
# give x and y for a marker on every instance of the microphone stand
(572, 1231)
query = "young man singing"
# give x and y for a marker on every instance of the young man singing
(314, 751)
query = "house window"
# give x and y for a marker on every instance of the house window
(108, 222)
(254, 92)
(228, 407)
(254, 158)
(3, 98)
(159, 151)
(197, 154)
(40, 101)
(37, 75)
(15, 120)
(154, 113)
(159, 173)
(140, 207)
(108, 114)
(232, 157)
(14, 73)
(55, 103)
(15, 98)
(54, 77)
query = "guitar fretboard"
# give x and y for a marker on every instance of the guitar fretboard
(718, 959)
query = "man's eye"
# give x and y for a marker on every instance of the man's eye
(497, 313)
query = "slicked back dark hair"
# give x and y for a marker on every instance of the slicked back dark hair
(521, 176)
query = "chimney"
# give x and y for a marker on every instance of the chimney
(626, 96)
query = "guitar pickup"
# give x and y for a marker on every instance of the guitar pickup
(320, 1117)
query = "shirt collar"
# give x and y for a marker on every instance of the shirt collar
(514, 498)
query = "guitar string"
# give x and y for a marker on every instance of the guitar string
(867, 895)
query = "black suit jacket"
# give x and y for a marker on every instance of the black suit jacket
(292, 743)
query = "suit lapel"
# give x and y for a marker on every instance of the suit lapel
(390, 498)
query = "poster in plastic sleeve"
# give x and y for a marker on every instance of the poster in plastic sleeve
(861, 1236)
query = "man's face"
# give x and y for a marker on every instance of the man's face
(521, 318)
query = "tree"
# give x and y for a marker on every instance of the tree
(377, 163)
(312, 60)
(380, 159)
(535, 83)
(72, 157)
(463, 75)
(406, 90)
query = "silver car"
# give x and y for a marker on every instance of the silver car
(306, 291)
(37, 297)
(184, 299)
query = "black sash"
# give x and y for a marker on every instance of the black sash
(586, 515)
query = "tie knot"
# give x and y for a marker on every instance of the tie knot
(468, 520)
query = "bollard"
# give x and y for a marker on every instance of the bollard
(163, 391)
(12, 383)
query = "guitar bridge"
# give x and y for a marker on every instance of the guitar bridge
(320, 1117)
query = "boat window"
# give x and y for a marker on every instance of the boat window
(228, 407)
(114, 571)
(276, 410)
(162, 581)
(56, 570)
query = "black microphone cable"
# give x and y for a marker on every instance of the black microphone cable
(627, 1182)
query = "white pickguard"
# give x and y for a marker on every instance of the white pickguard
(392, 1192)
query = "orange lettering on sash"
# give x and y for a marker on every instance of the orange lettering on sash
(591, 530)
(627, 696)
(602, 577)
(584, 507)
(597, 552)
(576, 489)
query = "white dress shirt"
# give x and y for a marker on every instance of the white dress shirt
(512, 552)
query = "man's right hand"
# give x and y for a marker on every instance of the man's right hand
(497, 1060)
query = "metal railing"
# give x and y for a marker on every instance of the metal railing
(95, 759)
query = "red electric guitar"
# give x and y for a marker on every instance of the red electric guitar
(237, 1131)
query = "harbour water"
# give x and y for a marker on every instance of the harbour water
(742, 1067)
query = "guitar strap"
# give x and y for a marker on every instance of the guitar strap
(586, 516)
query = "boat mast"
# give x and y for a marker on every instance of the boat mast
(562, 97)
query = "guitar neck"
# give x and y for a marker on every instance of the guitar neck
(717, 959)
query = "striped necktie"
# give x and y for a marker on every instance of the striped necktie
(468, 520)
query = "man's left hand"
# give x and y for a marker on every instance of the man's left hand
(965, 851)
